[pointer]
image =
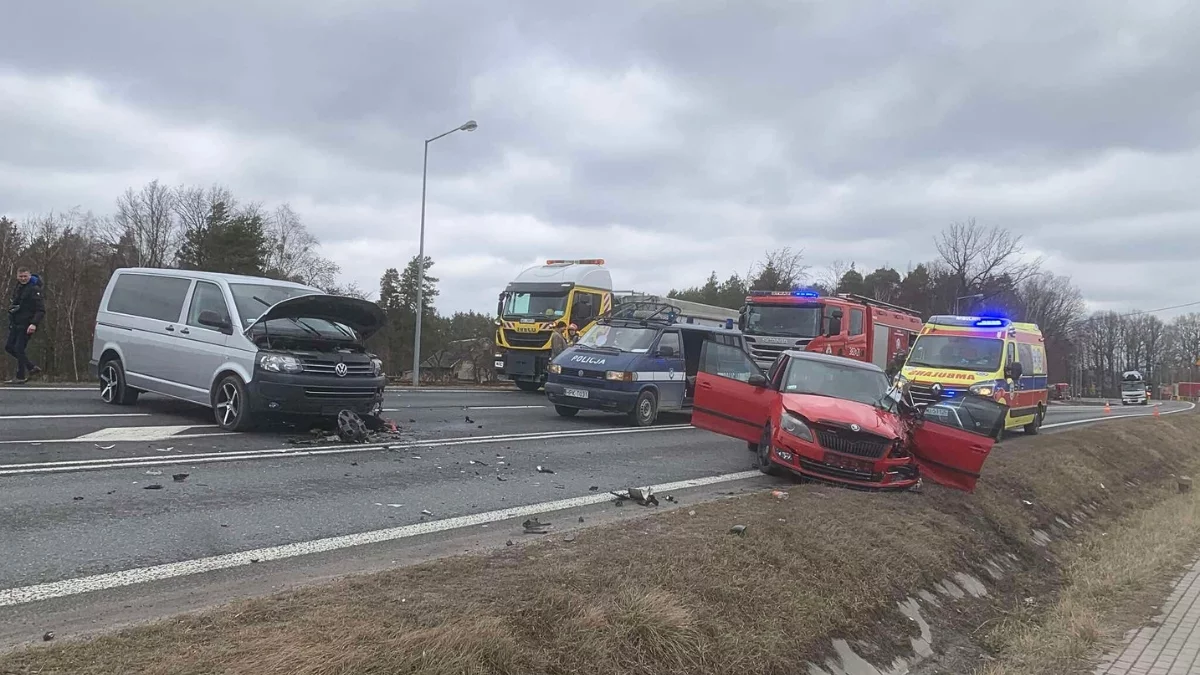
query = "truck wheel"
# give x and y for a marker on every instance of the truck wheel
(527, 385)
(645, 409)
(1038, 417)
(113, 389)
(566, 411)
(765, 464)
(231, 407)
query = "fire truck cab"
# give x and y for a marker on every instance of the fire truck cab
(846, 325)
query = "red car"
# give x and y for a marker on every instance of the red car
(836, 419)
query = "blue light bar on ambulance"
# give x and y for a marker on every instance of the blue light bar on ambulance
(969, 321)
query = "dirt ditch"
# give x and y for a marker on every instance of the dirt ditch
(825, 582)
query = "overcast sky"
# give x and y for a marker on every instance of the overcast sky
(671, 138)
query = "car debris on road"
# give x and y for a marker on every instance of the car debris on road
(643, 496)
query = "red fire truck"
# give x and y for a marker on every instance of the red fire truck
(847, 324)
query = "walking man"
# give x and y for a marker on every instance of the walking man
(25, 312)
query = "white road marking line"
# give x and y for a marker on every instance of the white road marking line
(99, 582)
(240, 455)
(38, 441)
(25, 388)
(156, 433)
(1191, 406)
(72, 416)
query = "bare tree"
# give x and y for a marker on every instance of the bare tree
(1053, 303)
(149, 216)
(830, 277)
(975, 255)
(193, 207)
(291, 252)
(781, 270)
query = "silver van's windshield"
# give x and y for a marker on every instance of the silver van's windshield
(254, 299)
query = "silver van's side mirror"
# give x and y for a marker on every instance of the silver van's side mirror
(213, 320)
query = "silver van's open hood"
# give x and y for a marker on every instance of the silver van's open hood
(364, 316)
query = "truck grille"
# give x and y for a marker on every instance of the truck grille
(767, 353)
(867, 446)
(923, 393)
(527, 340)
(328, 367)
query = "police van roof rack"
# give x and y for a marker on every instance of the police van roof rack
(872, 301)
(644, 311)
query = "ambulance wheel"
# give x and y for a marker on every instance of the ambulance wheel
(566, 411)
(526, 385)
(1038, 417)
(765, 464)
(645, 409)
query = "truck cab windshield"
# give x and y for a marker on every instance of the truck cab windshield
(783, 321)
(540, 305)
(861, 385)
(622, 338)
(957, 352)
(1135, 385)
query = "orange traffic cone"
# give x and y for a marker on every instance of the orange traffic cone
(1107, 409)
(1156, 411)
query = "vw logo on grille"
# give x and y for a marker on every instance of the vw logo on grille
(340, 369)
(581, 373)
(854, 427)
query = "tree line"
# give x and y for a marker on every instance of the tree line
(980, 269)
(185, 227)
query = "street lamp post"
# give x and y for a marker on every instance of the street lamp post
(973, 296)
(470, 125)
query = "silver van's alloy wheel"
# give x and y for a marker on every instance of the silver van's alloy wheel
(109, 381)
(229, 403)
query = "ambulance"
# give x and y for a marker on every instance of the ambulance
(955, 356)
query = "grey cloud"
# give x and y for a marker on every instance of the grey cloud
(852, 129)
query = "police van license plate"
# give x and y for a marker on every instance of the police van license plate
(577, 393)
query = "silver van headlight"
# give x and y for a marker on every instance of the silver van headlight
(280, 363)
(377, 367)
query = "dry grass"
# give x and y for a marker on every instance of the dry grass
(673, 593)
(1111, 582)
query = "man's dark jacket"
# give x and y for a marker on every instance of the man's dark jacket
(27, 307)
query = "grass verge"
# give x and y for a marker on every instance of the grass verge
(1112, 582)
(677, 593)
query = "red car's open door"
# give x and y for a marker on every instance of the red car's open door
(953, 438)
(732, 396)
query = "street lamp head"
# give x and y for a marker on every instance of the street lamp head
(469, 126)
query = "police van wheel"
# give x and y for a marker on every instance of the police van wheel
(645, 410)
(1036, 425)
(566, 411)
(526, 385)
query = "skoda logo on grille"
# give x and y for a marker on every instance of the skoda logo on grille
(854, 427)
(340, 369)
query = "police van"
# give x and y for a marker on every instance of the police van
(640, 359)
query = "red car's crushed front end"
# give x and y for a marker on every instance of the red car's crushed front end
(842, 441)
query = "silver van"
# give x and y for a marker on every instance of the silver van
(246, 347)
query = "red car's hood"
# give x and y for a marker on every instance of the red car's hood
(823, 409)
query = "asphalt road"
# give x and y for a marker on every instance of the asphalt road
(75, 473)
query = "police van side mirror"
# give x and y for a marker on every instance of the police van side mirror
(666, 351)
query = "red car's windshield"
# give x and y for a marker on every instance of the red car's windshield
(823, 378)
